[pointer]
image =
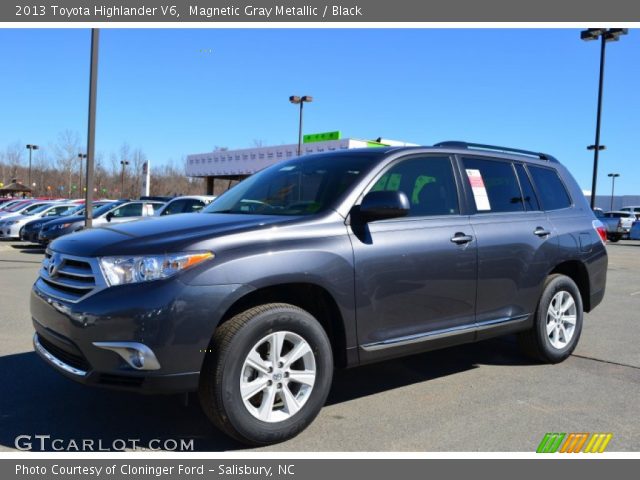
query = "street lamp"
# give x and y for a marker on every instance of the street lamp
(81, 156)
(606, 35)
(613, 184)
(300, 100)
(31, 148)
(124, 163)
(596, 148)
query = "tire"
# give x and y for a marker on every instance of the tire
(614, 238)
(226, 367)
(544, 341)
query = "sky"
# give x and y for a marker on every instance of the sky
(172, 92)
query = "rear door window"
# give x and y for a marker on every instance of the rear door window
(174, 207)
(128, 210)
(553, 193)
(494, 185)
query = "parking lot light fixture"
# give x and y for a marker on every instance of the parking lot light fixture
(300, 101)
(613, 177)
(31, 148)
(605, 35)
(124, 164)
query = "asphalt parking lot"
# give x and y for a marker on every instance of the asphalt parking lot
(481, 397)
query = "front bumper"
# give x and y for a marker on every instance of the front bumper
(176, 321)
(11, 231)
(48, 236)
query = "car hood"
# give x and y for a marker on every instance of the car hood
(9, 215)
(158, 235)
(66, 219)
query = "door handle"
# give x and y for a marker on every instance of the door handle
(460, 238)
(541, 232)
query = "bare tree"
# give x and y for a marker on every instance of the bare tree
(66, 152)
(13, 158)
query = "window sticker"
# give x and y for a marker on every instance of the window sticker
(479, 190)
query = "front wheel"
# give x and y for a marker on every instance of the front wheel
(267, 375)
(557, 323)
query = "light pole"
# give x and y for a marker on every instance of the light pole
(31, 148)
(613, 185)
(597, 149)
(91, 126)
(300, 100)
(81, 156)
(124, 163)
(606, 35)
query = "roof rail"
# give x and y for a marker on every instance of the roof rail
(480, 146)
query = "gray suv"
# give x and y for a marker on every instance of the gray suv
(324, 261)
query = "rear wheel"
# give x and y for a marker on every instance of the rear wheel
(557, 323)
(267, 375)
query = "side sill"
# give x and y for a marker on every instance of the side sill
(482, 329)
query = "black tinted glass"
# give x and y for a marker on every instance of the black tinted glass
(553, 193)
(528, 194)
(303, 186)
(427, 182)
(494, 185)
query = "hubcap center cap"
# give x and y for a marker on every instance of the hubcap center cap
(277, 376)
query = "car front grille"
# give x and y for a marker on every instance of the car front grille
(67, 277)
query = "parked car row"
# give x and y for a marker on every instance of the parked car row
(41, 221)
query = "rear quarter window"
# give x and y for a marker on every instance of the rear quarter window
(552, 191)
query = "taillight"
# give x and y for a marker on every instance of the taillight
(601, 230)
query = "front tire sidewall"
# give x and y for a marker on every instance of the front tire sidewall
(555, 285)
(246, 425)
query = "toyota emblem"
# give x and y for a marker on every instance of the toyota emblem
(54, 265)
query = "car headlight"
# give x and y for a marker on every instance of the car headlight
(62, 226)
(145, 268)
(12, 222)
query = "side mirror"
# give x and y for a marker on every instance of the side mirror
(384, 204)
(109, 216)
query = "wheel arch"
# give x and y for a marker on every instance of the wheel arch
(577, 271)
(311, 297)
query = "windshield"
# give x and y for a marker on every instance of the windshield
(32, 208)
(78, 210)
(303, 186)
(17, 206)
(9, 205)
(39, 209)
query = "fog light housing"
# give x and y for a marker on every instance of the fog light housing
(137, 355)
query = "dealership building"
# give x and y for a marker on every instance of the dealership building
(224, 168)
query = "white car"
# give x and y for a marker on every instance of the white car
(186, 204)
(635, 209)
(129, 211)
(10, 226)
(6, 205)
(23, 209)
